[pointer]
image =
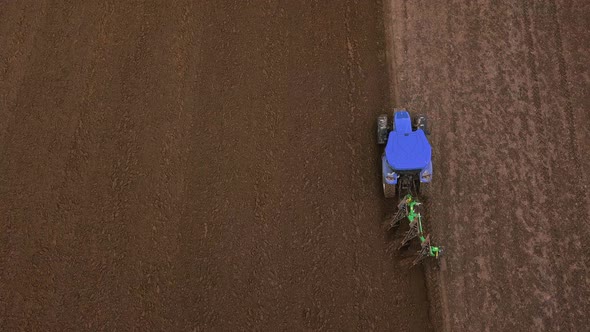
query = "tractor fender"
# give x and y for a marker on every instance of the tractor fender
(389, 175)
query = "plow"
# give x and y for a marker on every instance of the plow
(407, 210)
(406, 166)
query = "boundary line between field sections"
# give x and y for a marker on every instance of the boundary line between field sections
(390, 50)
(434, 297)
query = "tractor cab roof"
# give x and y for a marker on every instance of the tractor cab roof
(406, 149)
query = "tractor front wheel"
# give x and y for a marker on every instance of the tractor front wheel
(382, 129)
(421, 122)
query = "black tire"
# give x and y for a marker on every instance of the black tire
(388, 190)
(417, 188)
(421, 122)
(382, 129)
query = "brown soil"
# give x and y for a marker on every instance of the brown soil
(211, 165)
(506, 86)
(199, 165)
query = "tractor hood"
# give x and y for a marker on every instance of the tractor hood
(408, 151)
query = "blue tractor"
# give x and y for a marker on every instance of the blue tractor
(407, 157)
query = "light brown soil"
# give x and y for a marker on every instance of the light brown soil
(205, 165)
(506, 85)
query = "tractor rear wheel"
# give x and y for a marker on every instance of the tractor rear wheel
(416, 189)
(388, 190)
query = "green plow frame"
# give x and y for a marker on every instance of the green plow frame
(408, 209)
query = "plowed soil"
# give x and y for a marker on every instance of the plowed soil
(211, 165)
(506, 86)
(196, 165)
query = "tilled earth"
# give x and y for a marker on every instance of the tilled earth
(506, 85)
(211, 165)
